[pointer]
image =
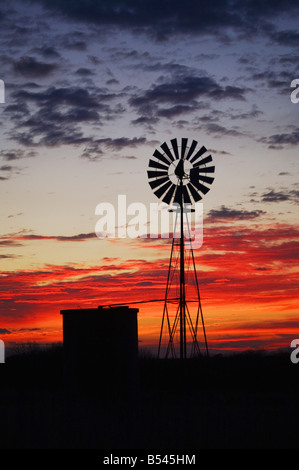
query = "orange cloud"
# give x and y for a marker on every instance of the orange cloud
(244, 272)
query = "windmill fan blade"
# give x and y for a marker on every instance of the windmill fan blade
(160, 191)
(198, 154)
(204, 161)
(178, 195)
(206, 179)
(207, 169)
(175, 148)
(187, 199)
(191, 149)
(195, 176)
(154, 164)
(168, 196)
(166, 149)
(183, 149)
(200, 187)
(195, 194)
(155, 183)
(182, 191)
(155, 174)
(161, 157)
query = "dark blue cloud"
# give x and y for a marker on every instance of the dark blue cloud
(167, 17)
(225, 213)
(29, 67)
(4, 331)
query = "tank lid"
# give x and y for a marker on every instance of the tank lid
(112, 307)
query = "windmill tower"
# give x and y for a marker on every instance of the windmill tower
(180, 175)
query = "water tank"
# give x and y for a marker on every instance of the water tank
(100, 347)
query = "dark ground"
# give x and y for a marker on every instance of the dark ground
(246, 401)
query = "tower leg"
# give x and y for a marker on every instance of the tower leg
(181, 321)
(165, 309)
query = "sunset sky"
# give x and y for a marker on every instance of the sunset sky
(91, 90)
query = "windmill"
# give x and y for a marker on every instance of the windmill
(181, 174)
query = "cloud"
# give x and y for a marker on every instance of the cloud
(288, 37)
(179, 95)
(216, 129)
(95, 149)
(9, 243)
(17, 111)
(177, 110)
(29, 329)
(122, 142)
(84, 72)
(225, 213)
(6, 168)
(57, 114)
(80, 46)
(254, 113)
(183, 89)
(62, 238)
(67, 96)
(16, 154)
(47, 51)
(277, 80)
(29, 67)
(171, 68)
(112, 81)
(244, 266)
(8, 171)
(281, 196)
(16, 240)
(278, 141)
(14, 215)
(162, 19)
(4, 331)
(94, 60)
(146, 121)
(219, 152)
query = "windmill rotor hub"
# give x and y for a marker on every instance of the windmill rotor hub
(175, 174)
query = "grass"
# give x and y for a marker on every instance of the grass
(246, 400)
